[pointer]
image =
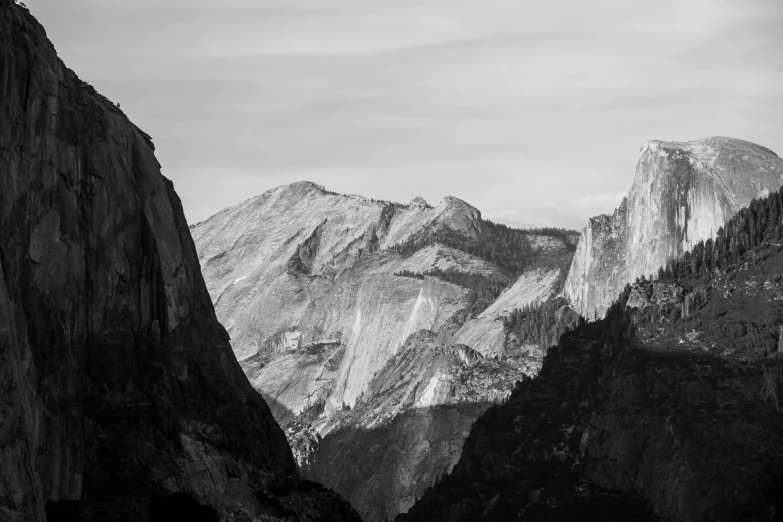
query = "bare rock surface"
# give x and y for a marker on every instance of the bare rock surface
(485, 333)
(682, 193)
(336, 322)
(409, 430)
(120, 398)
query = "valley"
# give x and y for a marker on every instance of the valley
(314, 356)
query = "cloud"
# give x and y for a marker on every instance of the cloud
(531, 111)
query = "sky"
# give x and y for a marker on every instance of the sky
(533, 112)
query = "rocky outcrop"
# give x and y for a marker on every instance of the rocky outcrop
(486, 333)
(120, 395)
(467, 355)
(322, 293)
(682, 193)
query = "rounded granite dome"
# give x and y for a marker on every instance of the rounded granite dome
(419, 201)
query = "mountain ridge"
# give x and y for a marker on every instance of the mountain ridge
(322, 294)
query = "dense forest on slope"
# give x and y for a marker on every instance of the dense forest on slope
(751, 228)
(543, 324)
(683, 373)
(507, 247)
(569, 237)
(483, 289)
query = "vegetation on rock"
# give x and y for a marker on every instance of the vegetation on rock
(508, 248)
(483, 289)
(667, 408)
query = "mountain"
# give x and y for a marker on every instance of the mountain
(669, 408)
(120, 396)
(682, 193)
(370, 325)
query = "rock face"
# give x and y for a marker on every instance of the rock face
(304, 280)
(485, 333)
(292, 269)
(682, 193)
(120, 397)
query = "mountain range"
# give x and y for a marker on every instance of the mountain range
(357, 321)
(308, 355)
(121, 398)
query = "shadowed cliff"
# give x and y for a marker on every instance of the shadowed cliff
(121, 398)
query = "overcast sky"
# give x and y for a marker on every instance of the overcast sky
(531, 111)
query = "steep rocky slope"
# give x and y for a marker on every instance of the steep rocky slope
(486, 333)
(120, 397)
(682, 193)
(667, 409)
(325, 297)
(387, 450)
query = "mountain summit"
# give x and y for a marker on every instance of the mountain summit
(682, 193)
(350, 314)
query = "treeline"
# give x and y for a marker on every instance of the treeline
(542, 324)
(751, 228)
(396, 205)
(483, 289)
(569, 237)
(506, 247)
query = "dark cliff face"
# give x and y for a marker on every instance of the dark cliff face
(667, 409)
(120, 397)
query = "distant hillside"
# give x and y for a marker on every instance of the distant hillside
(669, 408)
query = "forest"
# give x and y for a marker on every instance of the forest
(483, 289)
(756, 225)
(543, 324)
(508, 248)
